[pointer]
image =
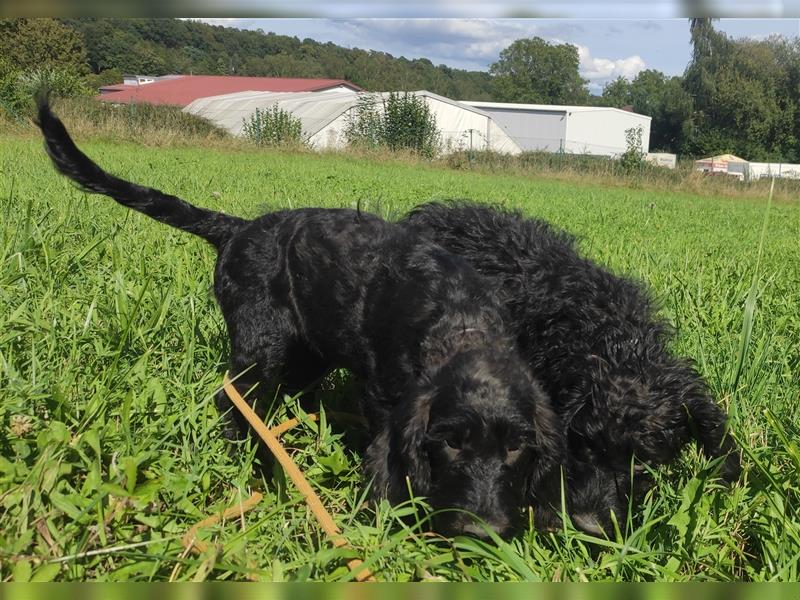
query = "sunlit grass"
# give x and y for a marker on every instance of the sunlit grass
(111, 348)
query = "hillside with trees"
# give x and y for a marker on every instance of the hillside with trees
(161, 46)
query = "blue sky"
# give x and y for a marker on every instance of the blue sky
(608, 48)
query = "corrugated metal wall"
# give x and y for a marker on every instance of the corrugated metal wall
(532, 129)
(602, 131)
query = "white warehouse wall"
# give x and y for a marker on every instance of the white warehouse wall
(324, 117)
(532, 129)
(758, 170)
(574, 129)
(455, 122)
(601, 131)
(331, 137)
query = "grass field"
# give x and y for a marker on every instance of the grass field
(111, 348)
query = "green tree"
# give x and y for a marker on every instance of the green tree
(646, 91)
(408, 123)
(364, 128)
(401, 122)
(703, 37)
(787, 56)
(617, 93)
(157, 46)
(663, 98)
(672, 122)
(744, 98)
(27, 44)
(36, 53)
(534, 71)
(107, 77)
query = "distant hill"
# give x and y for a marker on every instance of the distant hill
(162, 46)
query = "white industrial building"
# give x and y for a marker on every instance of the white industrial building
(571, 129)
(786, 170)
(745, 170)
(324, 117)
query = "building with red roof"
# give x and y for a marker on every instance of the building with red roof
(180, 90)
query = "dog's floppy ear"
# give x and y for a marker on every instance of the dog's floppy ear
(545, 469)
(550, 443)
(706, 419)
(413, 427)
(678, 407)
(397, 451)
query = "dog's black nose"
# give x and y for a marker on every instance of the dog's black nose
(478, 530)
(588, 523)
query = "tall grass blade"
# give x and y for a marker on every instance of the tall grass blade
(750, 304)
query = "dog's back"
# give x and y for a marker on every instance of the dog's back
(351, 281)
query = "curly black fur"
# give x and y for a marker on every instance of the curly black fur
(597, 346)
(450, 403)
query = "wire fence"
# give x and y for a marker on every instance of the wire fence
(569, 146)
(478, 140)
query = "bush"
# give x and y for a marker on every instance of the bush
(364, 128)
(273, 127)
(94, 81)
(409, 124)
(403, 122)
(609, 171)
(146, 124)
(17, 88)
(632, 159)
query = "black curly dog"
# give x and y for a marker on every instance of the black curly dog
(600, 351)
(450, 403)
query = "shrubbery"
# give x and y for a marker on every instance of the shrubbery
(633, 158)
(273, 127)
(365, 123)
(398, 122)
(17, 88)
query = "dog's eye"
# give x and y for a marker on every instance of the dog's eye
(453, 442)
(513, 450)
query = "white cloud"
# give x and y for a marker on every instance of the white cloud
(596, 68)
(462, 43)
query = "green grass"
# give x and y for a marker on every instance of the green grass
(111, 348)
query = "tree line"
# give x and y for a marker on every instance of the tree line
(161, 46)
(736, 95)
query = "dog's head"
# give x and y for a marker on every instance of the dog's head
(632, 420)
(598, 486)
(479, 438)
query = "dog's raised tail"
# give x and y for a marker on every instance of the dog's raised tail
(215, 227)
